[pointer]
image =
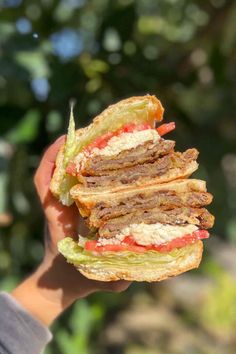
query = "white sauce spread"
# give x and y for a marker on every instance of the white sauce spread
(127, 141)
(153, 234)
(116, 144)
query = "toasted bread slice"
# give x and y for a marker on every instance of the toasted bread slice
(86, 198)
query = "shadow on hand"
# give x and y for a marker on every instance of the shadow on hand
(66, 221)
(64, 276)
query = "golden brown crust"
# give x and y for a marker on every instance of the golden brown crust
(192, 261)
(157, 114)
(179, 186)
(56, 178)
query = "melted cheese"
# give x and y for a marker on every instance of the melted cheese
(153, 234)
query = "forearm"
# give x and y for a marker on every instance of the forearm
(53, 287)
(43, 303)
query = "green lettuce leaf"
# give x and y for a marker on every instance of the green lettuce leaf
(70, 145)
(67, 181)
(77, 256)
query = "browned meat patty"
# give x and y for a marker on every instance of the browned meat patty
(95, 166)
(146, 200)
(128, 175)
(178, 216)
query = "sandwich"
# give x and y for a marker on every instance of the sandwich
(146, 217)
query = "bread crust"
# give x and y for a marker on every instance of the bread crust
(181, 185)
(56, 178)
(192, 261)
(158, 115)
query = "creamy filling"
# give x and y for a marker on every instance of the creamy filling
(127, 141)
(153, 234)
(117, 144)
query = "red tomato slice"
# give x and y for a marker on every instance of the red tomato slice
(101, 141)
(200, 234)
(165, 128)
(136, 248)
(90, 245)
(180, 242)
(121, 247)
(129, 244)
(128, 240)
(71, 169)
(126, 129)
(131, 127)
(94, 246)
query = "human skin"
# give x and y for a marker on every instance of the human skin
(55, 284)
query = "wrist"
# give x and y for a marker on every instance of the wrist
(52, 288)
(36, 301)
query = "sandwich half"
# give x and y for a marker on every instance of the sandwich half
(146, 218)
(136, 111)
(145, 234)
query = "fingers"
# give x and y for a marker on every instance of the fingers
(114, 286)
(45, 170)
(119, 286)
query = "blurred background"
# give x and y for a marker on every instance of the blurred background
(99, 52)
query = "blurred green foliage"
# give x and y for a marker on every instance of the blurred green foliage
(219, 312)
(100, 51)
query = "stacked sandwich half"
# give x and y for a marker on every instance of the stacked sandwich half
(146, 218)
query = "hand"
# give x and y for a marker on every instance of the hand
(55, 285)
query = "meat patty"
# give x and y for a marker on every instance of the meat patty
(128, 175)
(146, 200)
(148, 152)
(178, 216)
